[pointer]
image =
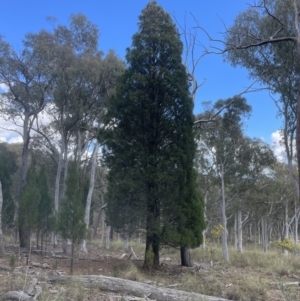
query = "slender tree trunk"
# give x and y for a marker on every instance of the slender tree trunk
(96, 226)
(152, 247)
(250, 232)
(107, 237)
(103, 227)
(23, 235)
(90, 194)
(72, 258)
(298, 124)
(286, 226)
(264, 231)
(205, 218)
(2, 252)
(66, 164)
(224, 218)
(235, 232)
(239, 232)
(57, 183)
(259, 233)
(296, 223)
(126, 240)
(65, 246)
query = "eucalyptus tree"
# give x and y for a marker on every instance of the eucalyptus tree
(28, 77)
(223, 140)
(8, 167)
(81, 82)
(149, 141)
(265, 38)
(252, 158)
(71, 216)
(45, 218)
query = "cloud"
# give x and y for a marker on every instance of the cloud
(6, 135)
(15, 139)
(3, 88)
(277, 145)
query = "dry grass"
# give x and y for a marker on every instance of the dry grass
(249, 276)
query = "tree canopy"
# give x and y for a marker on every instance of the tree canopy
(149, 139)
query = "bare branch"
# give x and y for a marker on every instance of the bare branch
(11, 130)
(247, 90)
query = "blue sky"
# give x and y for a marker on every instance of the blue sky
(117, 22)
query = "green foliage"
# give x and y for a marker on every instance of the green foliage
(45, 220)
(8, 167)
(30, 200)
(36, 204)
(70, 222)
(12, 261)
(149, 139)
(217, 231)
(288, 244)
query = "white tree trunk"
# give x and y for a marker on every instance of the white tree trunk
(126, 241)
(90, 193)
(259, 234)
(239, 232)
(2, 252)
(264, 234)
(107, 238)
(205, 218)
(296, 223)
(102, 226)
(286, 226)
(66, 164)
(235, 232)
(250, 232)
(224, 218)
(57, 185)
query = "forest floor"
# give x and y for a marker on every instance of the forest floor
(249, 276)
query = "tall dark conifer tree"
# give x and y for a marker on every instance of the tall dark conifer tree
(150, 143)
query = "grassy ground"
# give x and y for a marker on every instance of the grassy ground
(249, 276)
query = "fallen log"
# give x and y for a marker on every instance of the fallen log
(291, 283)
(133, 288)
(40, 265)
(132, 253)
(16, 295)
(32, 286)
(5, 268)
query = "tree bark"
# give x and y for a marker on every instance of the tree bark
(239, 232)
(23, 235)
(186, 257)
(133, 288)
(296, 223)
(2, 252)
(90, 194)
(264, 234)
(107, 237)
(126, 241)
(224, 218)
(65, 246)
(286, 224)
(205, 218)
(57, 183)
(298, 125)
(72, 257)
(16, 295)
(235, 231)
(66, 164)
